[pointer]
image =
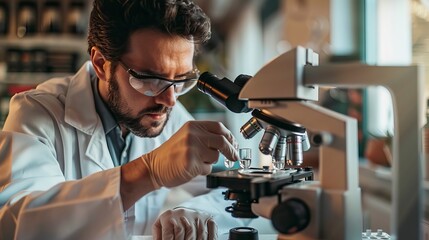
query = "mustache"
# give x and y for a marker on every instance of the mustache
(158, 109)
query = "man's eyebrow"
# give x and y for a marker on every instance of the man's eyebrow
(153, 73)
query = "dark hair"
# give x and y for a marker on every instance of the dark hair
(113, 21)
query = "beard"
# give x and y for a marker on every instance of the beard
(133, 123)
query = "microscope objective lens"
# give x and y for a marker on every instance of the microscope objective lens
(278, 165)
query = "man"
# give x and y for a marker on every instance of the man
(80, 156)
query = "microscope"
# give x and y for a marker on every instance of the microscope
(280, 98)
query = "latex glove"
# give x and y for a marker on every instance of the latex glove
(184, 223)
(190, 152)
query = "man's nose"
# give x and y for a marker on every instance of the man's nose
(167, 97)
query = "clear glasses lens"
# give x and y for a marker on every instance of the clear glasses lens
(184, 87)
(153, 86)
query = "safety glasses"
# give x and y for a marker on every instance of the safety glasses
(154, 85)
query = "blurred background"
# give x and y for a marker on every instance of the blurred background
(40, 39)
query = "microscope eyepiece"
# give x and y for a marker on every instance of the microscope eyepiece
(224, 91)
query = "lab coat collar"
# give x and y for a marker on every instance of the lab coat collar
(80, 112)
(79, 104)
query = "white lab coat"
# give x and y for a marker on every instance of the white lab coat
(57, 179)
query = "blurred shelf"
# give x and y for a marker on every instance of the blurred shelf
(29, 78)
(46, 41)
(42, 36)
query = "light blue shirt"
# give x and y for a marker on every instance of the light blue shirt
(117, 145)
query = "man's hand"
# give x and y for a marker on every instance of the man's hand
(183, 223)
(189, 152)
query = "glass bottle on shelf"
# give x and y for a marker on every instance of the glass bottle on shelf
(75, 18)
(51, 18)
(26, 19)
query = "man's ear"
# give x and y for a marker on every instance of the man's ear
(99, 63)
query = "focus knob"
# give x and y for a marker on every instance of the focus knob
(290, 216)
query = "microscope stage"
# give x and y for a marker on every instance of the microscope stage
(258, 182)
